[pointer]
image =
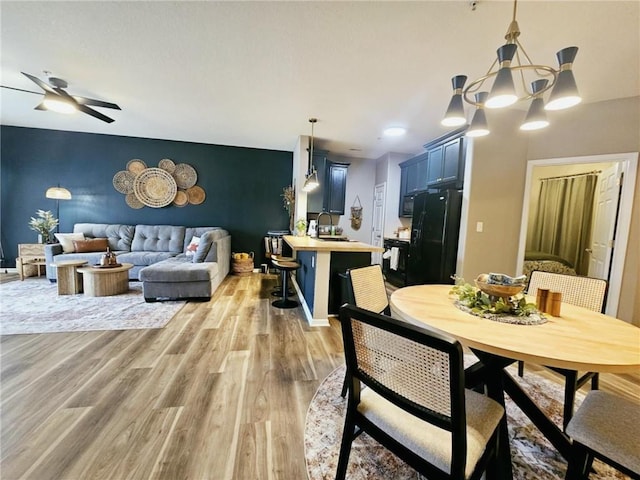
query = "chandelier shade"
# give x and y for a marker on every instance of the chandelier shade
(536, 116)
(506, 82)
(455, 111)
(479, 126)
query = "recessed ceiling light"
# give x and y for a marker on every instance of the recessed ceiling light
(394, 131)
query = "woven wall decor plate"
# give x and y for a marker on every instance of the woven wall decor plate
(196, 195)
(167, 165)
(185, 175)
(155, 187)
(181, 199)
(136, 165)
(123, 181)
(133, 201)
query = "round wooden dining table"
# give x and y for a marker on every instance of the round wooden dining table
(579, 339)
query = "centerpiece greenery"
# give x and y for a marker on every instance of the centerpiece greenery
(44, 224)
(482, 304)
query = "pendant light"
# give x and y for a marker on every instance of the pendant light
(513, 59)
(311, 181)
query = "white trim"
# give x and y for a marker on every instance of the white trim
(464, 213)
(629, 163)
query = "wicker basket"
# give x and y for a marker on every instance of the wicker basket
(242, 266)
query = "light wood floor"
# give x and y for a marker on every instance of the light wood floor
(220, 393)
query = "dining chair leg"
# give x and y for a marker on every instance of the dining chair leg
(345, 446)
(570, 388)
(345, 387)
(579, 463)
(595, 381)
(520, 368)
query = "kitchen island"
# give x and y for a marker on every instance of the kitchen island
(318, 281)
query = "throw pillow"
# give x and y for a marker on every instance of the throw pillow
(193, 246)
(203, 248)
(91, 245)
(66, 240)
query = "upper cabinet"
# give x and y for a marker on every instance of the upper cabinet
(440, 166)
(330, 195)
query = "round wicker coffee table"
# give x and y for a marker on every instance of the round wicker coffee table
(105, 281)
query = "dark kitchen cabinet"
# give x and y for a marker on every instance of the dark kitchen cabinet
(306, 276)
(330, 195)
(441, 166)
(446, 164)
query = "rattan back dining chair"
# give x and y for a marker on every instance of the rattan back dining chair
(606, 427)
(368, 290)
(584, 292)
(415, 403)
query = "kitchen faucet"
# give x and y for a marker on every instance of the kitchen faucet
(330, 221)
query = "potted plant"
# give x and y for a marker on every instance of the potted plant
(301, 227)
(43, 224)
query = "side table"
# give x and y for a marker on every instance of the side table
(30, 254)
(103, 281)
(69, 280)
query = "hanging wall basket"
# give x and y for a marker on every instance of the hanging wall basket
(356, 214)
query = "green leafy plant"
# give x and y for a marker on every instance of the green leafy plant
(480, 303)
(43, 224)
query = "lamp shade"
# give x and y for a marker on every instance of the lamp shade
(455, 111)
(536, 117)
(503, 91)
(58, 193)
(311, 183)
(565, 91)
(479, 126)
(57, 104)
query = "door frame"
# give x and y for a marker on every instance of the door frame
(629, 162)
(383, 186)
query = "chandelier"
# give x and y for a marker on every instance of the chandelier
(512, 60)
(311, 178)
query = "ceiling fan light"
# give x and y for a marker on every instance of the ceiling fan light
(56, 104)
(536, 117)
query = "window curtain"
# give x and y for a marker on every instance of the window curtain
(561, 223)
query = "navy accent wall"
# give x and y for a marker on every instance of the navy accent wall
(242, 185)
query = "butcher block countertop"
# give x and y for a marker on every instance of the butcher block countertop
(313, 244)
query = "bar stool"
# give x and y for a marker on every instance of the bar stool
(285, 266)
(277, 291)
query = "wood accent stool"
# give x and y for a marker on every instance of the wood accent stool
(30, 255)
(69, 280)
(103, 282)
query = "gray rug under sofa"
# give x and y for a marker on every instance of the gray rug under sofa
(159, 256)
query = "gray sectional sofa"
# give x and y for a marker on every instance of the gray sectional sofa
(159, 257)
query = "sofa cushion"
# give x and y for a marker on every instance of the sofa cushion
(179, 269)
(190, 232)
(192, 247)
(144, 258)
(158, 238)
(91, 245)
(119, 236)
(66, 240)
(204, 249)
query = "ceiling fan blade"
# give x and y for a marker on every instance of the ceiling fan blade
(94, 113)
(95, 103)
(46, 87)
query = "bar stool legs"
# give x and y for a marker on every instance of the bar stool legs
(285, 267)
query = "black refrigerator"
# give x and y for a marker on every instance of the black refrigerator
(435, 226)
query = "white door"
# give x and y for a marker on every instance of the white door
(378, 221)
(604, 222)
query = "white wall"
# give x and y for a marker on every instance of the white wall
(388, 170)
(360, 182)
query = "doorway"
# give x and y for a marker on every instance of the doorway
(378, 221)
(625, 163)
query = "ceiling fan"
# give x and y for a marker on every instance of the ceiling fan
(58, 100)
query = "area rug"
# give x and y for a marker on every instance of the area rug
(34, 306)
(532, 455)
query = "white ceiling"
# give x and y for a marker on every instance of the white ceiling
(252, 73)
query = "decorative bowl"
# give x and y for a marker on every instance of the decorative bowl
(499, 290)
